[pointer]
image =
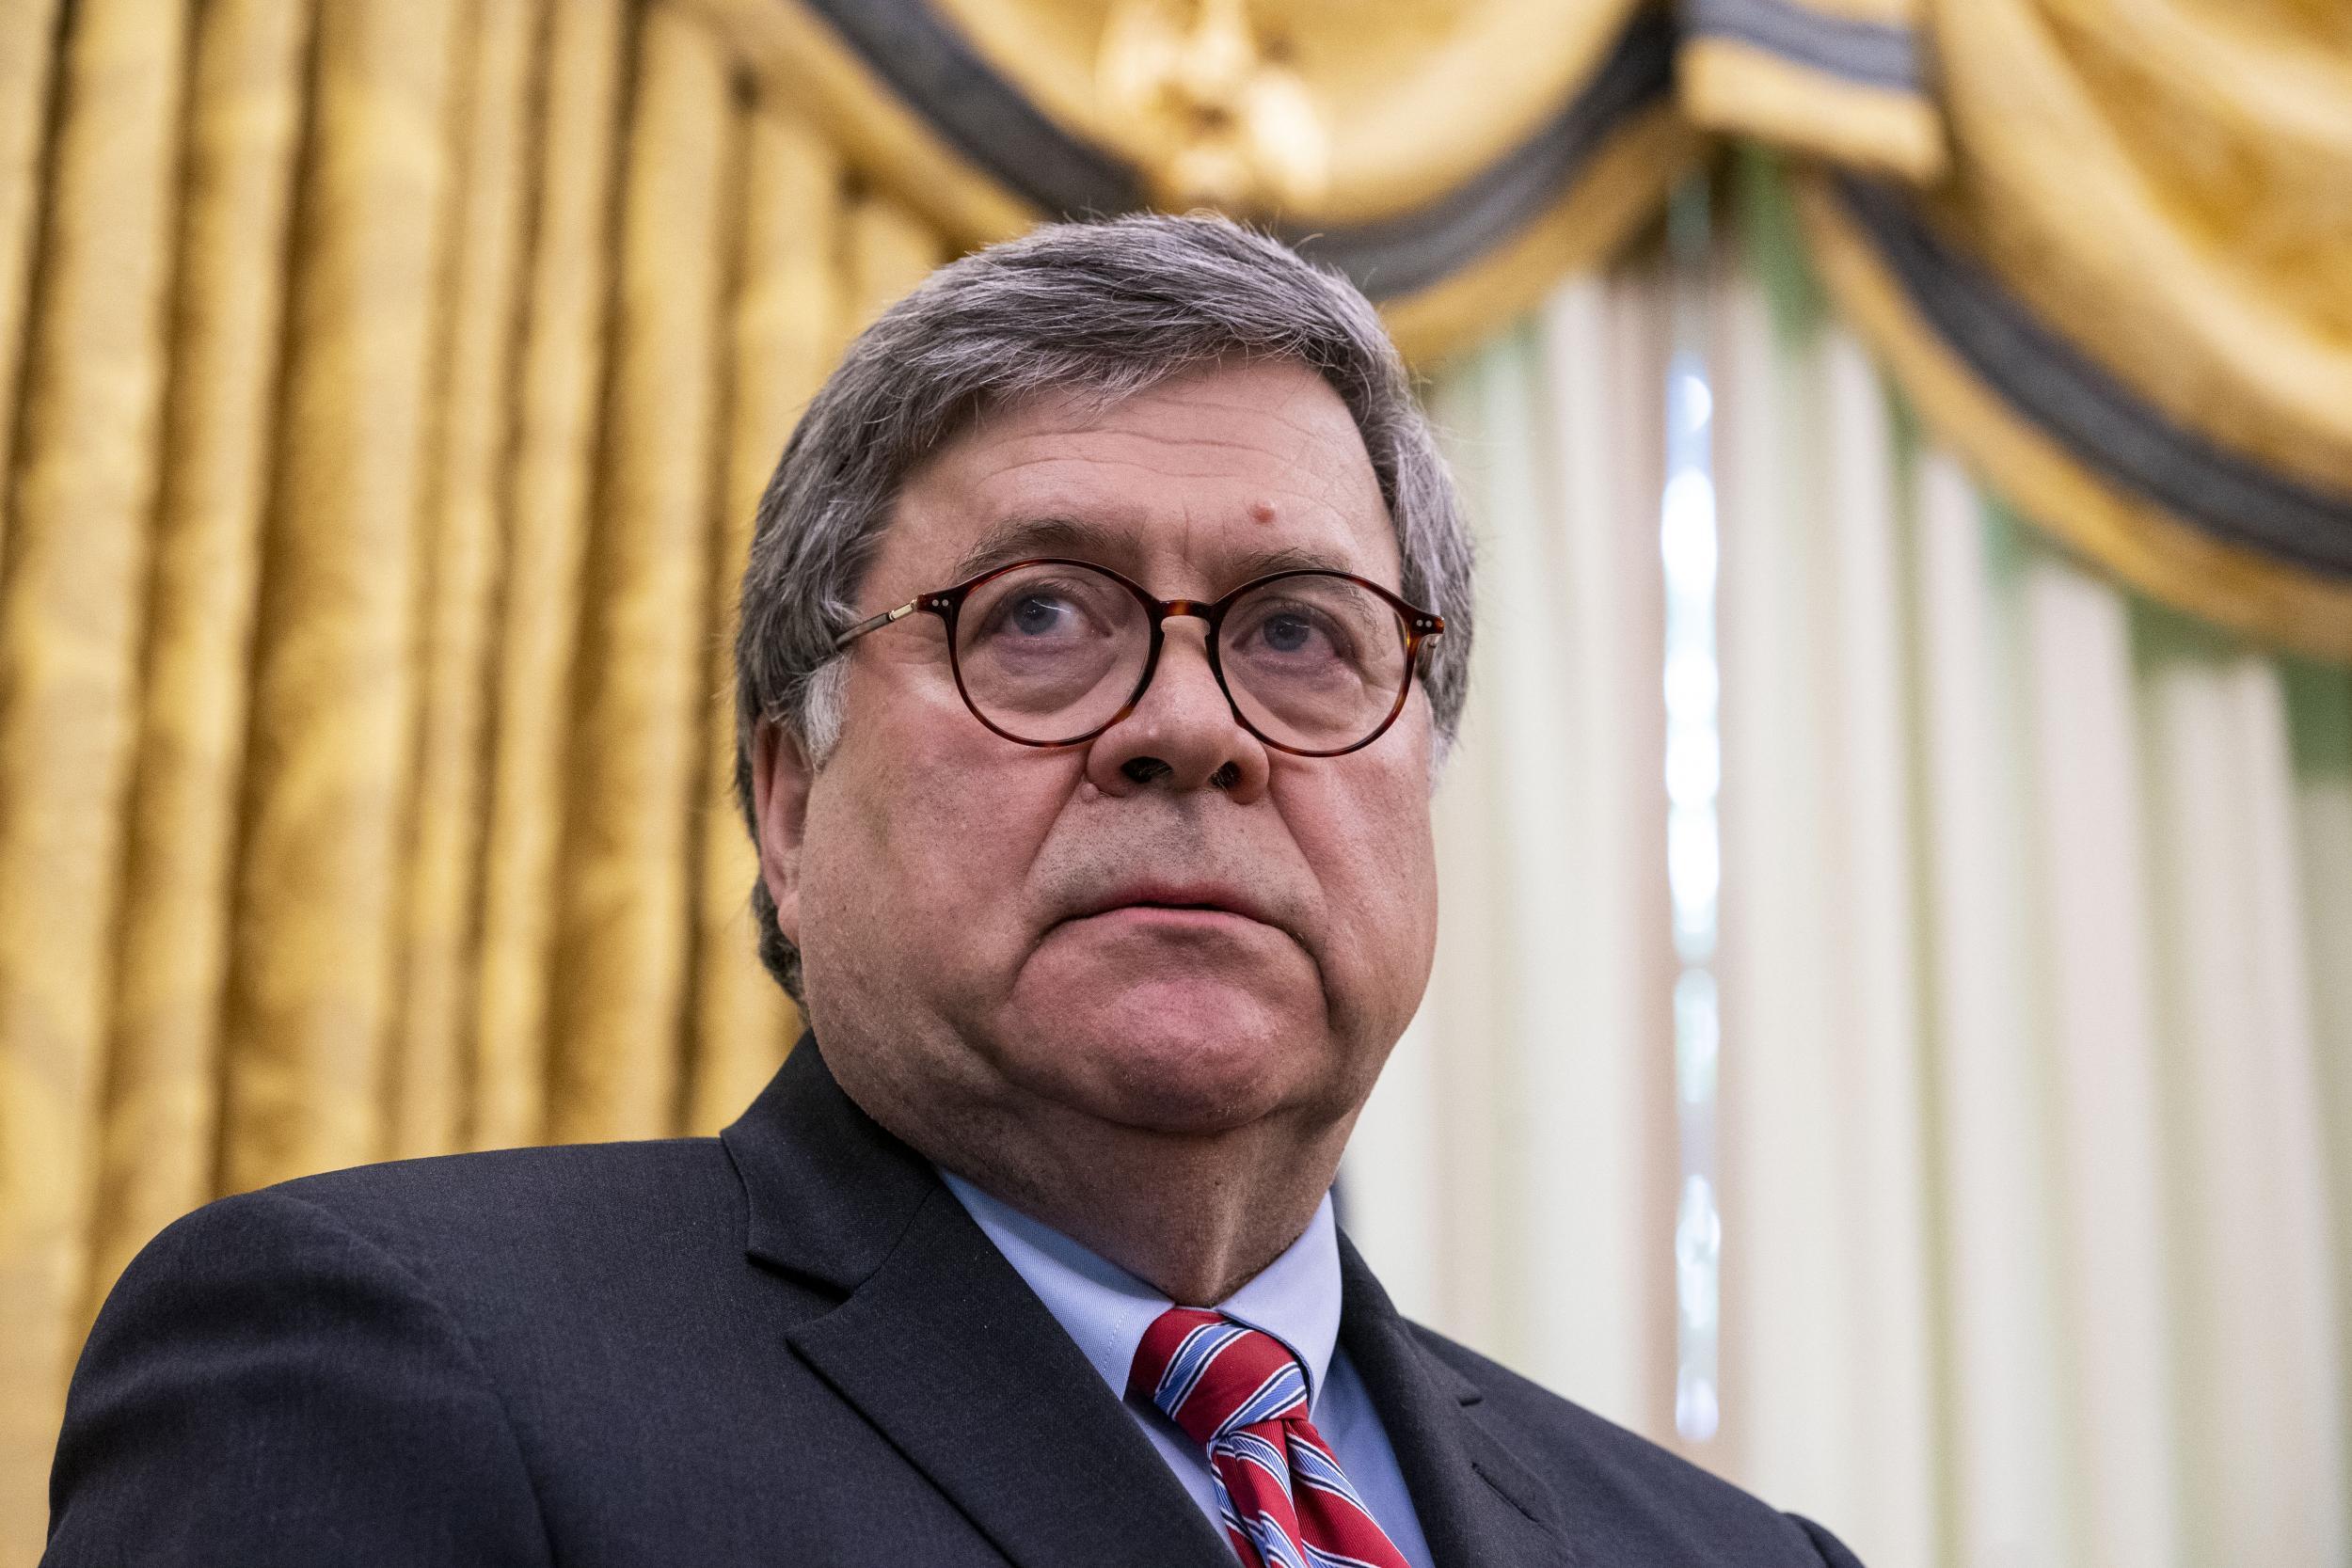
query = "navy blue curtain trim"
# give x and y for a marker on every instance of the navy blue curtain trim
(1871, 53)
(2106, 426)
(1406, 253)
(934, 70)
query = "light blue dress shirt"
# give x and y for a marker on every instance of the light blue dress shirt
(1295, 1298)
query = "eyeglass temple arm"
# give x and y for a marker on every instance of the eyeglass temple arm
(874, 623)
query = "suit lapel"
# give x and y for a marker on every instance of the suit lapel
(1479, 1506)
(948, 1351)
(943, 1346)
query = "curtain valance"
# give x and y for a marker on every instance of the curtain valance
(2130, 302)
(1464, 155)
(2105, 245)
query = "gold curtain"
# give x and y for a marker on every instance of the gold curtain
(80, 498)
(394, 385)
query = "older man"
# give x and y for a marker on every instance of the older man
(1107, 618)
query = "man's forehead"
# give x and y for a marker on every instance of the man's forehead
(1130, 546)
(1239, 470)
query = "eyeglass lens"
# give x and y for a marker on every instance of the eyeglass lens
(1052, 652)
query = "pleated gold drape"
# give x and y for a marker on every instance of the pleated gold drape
(385, 391)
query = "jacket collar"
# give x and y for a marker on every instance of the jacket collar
(943, 1347)
(1477, 1502)
(830, 1191)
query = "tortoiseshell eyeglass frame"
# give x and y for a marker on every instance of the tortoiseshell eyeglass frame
(1417, 627)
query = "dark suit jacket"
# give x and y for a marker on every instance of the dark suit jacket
(790, 1345)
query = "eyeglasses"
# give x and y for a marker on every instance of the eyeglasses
(1053, 652)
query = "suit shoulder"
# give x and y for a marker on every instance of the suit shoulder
(1596, 1464)
(520, 1213)
(524, 1182)
(276, 1380)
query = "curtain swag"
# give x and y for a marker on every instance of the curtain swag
(2105, 245)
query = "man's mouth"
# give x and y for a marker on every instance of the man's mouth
(1177, 902)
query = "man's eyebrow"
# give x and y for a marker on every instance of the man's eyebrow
(1282, 557)
(1021, 538)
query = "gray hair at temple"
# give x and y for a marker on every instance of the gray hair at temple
(1101, 309)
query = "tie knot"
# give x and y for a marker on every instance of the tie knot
(1210, 1375)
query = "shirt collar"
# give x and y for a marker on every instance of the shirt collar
(1106, 1309)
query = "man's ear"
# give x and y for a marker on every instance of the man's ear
(780, 779)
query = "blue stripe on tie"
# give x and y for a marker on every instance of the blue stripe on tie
(1273, 1545)
(1243, 1414)
(1282, 1392)
(1200, 1347)
(1225, 1509)
(1176, 1364)
(1322, 1472)
(1250, 1448)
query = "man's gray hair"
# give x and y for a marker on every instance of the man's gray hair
(1101, 309)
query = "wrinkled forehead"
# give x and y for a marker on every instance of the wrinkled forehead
(1198, 482)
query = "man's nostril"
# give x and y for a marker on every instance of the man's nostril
(1227, 776)
(1148, 769)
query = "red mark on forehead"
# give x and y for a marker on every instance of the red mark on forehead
(1262, 511)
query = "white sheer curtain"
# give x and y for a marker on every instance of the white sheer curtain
(1506, 1178)
(2036, 976)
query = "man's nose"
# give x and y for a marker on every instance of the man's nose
(1183, 735)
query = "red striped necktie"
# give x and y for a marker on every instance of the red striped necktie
(1242, 1395)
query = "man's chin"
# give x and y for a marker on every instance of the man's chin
(1179, 1056)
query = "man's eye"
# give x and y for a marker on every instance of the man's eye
(1296, 633)
(1036, 614)
(1286, 634)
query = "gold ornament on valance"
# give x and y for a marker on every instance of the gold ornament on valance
(1454, 157)
(1228, 122)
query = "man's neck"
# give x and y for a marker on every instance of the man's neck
(1194, 1236)
(1195, 1216)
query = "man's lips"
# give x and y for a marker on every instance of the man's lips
(1175, 900)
